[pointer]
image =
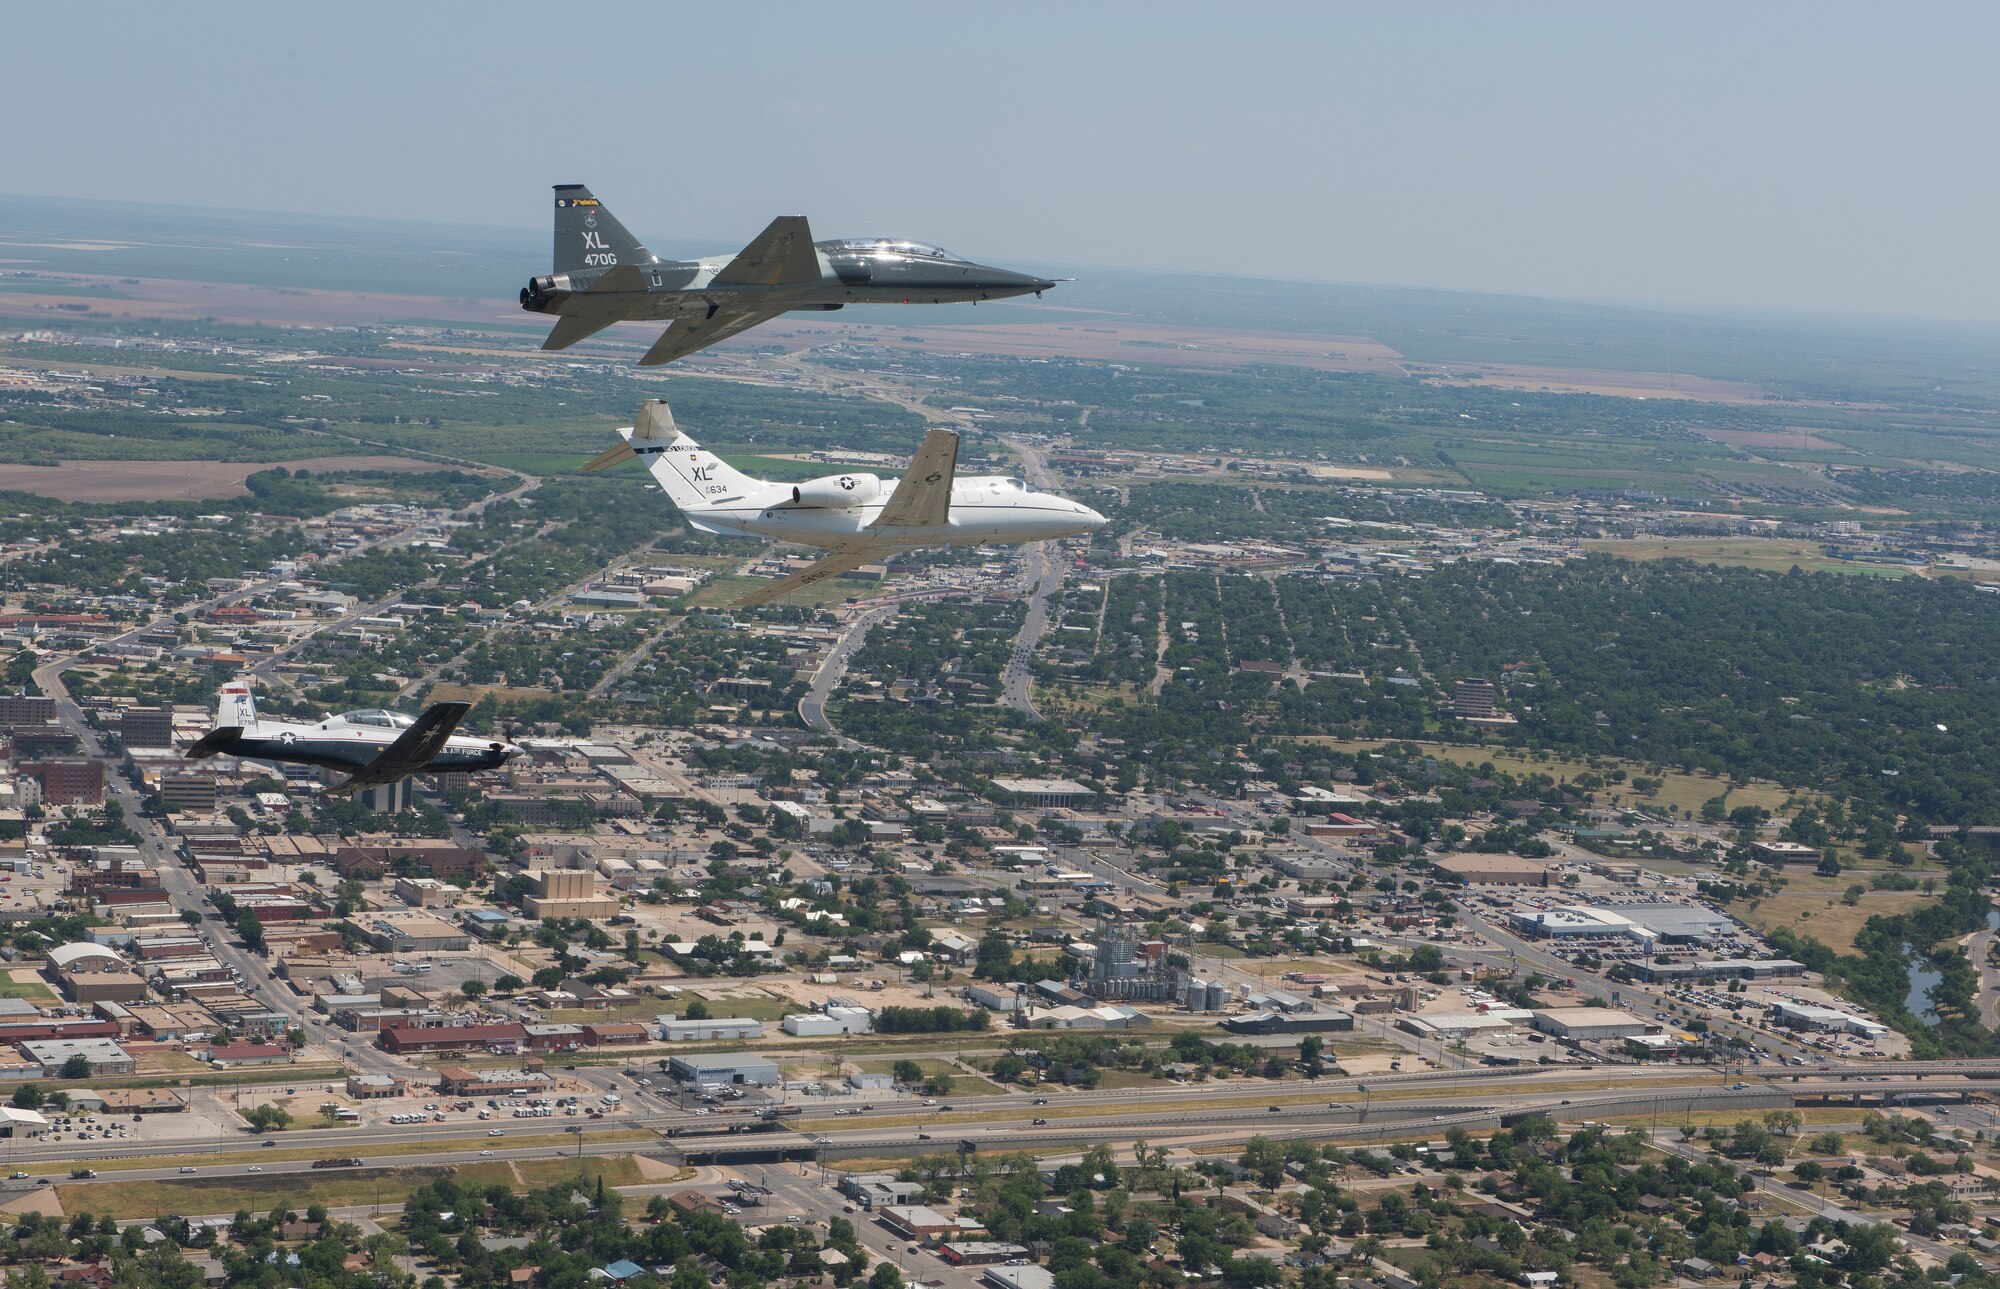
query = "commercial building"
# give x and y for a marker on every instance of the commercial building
(68, 783)
(1590, 1024)
(975, 1253)
(918, 1222)
(457, 1081)
(719, 1029)
(717, 1069)
(1722, 969)
(1494, 870)
(103, 1054)
(371, 1087)
(1004, 1277)
(831, 1020)
(424, 892)
(417, 933)
(26, 709)
(1049, 794)
(147, 726)
(16, 1122)
(1784, 852)
(404, 1040)
(565, 893)
(1472, 698)
(1324, 1022)
(188, 792)
(1826, 1019)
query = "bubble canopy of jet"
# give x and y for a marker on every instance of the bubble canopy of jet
(858, 517)
(603, 275)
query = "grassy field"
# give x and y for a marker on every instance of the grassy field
(201, 1197)
(1820, 913)
(727, 587)
(32, 990)
(1680, 792)
(1774, 554)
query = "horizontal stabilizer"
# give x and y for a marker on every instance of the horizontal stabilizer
(572, 327)
(586, 313)
(610, 457)
(213, 742)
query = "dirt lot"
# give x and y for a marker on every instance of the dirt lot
(173, 480)
(1583, 380)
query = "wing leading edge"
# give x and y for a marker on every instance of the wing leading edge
(922, 498)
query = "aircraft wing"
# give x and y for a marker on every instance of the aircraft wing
(590, 311)
(690, 334)
(781, 255)
(412, 750)
(844, 560)
(923, 496)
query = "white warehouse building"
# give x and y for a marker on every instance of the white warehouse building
(833, 1020)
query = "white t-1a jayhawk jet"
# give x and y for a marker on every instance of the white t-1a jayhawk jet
(859, 518)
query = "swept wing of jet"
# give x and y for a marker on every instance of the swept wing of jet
(603, 274)
(855, 517)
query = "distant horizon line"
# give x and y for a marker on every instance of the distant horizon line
(1767, 312)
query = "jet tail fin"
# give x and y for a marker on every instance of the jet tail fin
(589, 236)
(694, 479)
(235, 706)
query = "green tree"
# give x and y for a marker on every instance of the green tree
(268, 1118)
(76, 1067)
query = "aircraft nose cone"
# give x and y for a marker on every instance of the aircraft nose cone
(1095, 520)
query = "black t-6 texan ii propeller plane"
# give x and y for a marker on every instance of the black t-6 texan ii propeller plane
(603, 275)
(860, 518)
(377, 747)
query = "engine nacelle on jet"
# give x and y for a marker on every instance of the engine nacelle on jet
(838, 491)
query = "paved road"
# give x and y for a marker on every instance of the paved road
(812, 708)
(1042, 577)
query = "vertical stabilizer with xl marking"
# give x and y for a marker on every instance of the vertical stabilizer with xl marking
(693, 478)
(235, 707)
(588, 236)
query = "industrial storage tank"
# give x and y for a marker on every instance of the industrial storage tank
(1218, 996)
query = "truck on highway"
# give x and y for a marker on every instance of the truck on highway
(345, 1162)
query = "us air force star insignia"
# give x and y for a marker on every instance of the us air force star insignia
(933, 477)
(847, 483)
(287, 738)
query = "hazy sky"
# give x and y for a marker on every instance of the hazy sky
(1804, 155)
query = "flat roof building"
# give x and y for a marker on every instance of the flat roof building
(104, 1055)
(1049, 794)
(1494, 870)
(1590, 1024)
(723, 1068)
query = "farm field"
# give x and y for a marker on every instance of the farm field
(99, 481)
(1774, 554)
